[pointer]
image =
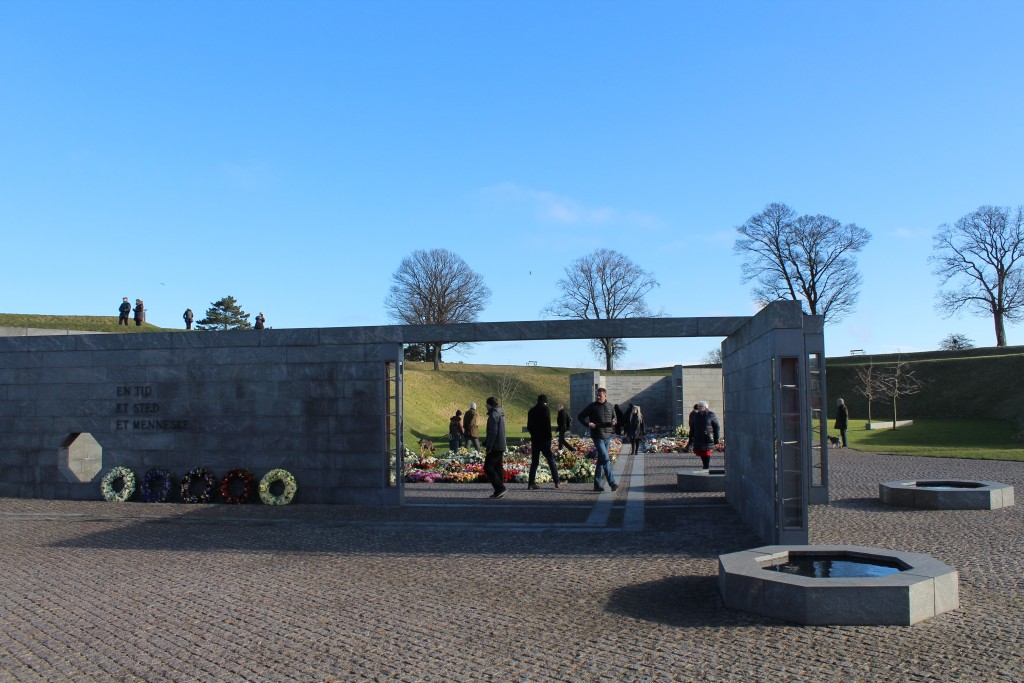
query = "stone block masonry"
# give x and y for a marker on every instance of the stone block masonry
(181, 400)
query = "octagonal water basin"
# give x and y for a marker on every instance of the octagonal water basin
(701, 480)
(837, 584)
(946, 494)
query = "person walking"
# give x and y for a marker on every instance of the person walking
(260, 321)
(140, 313)
(842, 420)
(564, 424)
(123, 311)
(188, 318)
(600, 418)
(688, 446)
(704, 433)
(538, 424)
(635, 428)
(620, 419)
(455, 432)
(470, 431)
(494, 443)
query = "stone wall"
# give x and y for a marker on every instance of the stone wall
(309, 401)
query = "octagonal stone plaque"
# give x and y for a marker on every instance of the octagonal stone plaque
(80, 457)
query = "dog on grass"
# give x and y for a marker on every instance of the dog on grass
(426, 445)
(833, 441)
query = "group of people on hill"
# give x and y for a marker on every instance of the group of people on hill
(126, 309)
(188, 316)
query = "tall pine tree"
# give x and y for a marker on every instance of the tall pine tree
(225, 314)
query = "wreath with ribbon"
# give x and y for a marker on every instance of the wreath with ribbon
(271, 478)
(193, 477)
(248, 481)
(156, 485)
(127, 478)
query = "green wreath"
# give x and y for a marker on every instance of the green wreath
(127, 478)
(272, 477)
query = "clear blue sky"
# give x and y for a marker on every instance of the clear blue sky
(292, 153)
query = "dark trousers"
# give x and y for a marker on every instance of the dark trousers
(562, 443)
(494, 469)
(122, 320)
(842, 435)
(635, 446)
(538, 447)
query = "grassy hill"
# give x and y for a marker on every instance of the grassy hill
(976, 383)
(87, 323)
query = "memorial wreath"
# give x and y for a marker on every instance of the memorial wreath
(194, 476)
(271, 478)
(249, 486)
(127, 478)
(156, 485)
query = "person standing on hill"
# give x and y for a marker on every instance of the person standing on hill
(842, 420)
(538, 423)
(188, 317)
(564, 425)
(600, 417)
(469, 429)
(494, 443)
(261, 321)
(122, 312)
(704, 433)
(140, 313)
(635, 428)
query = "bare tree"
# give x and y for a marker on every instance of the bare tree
(508, 387)
(810, 259)
(954, 341)
(713, 357)
(898, 380)
(983, 253)
(435, 287)
(867, 384)
(604, 285)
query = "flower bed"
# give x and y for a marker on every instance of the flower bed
(575, 464)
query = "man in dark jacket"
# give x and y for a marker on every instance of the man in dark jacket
(704, 433)
(564, 424)
(140, 313)
(538, 423)
(469, 428)
(842, 420)
(123, 311)
(494, 443)
(600, 418)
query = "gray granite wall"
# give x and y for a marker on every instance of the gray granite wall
(309, 401)
(754, 476)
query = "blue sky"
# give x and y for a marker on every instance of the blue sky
(292, 153)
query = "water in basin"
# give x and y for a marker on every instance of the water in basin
(839, 567)
(947, 485)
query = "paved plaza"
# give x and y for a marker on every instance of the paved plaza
(546, 585)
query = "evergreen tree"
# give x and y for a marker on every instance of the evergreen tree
(225, 314)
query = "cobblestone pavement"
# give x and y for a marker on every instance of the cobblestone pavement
(543, 585)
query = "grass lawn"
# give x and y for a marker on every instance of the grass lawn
(91, 323)
(973, 439)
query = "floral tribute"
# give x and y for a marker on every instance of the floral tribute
(575, 464)
(272, 477)
(156, 485)
(191, 492)
(127, 479)
(248, 486)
